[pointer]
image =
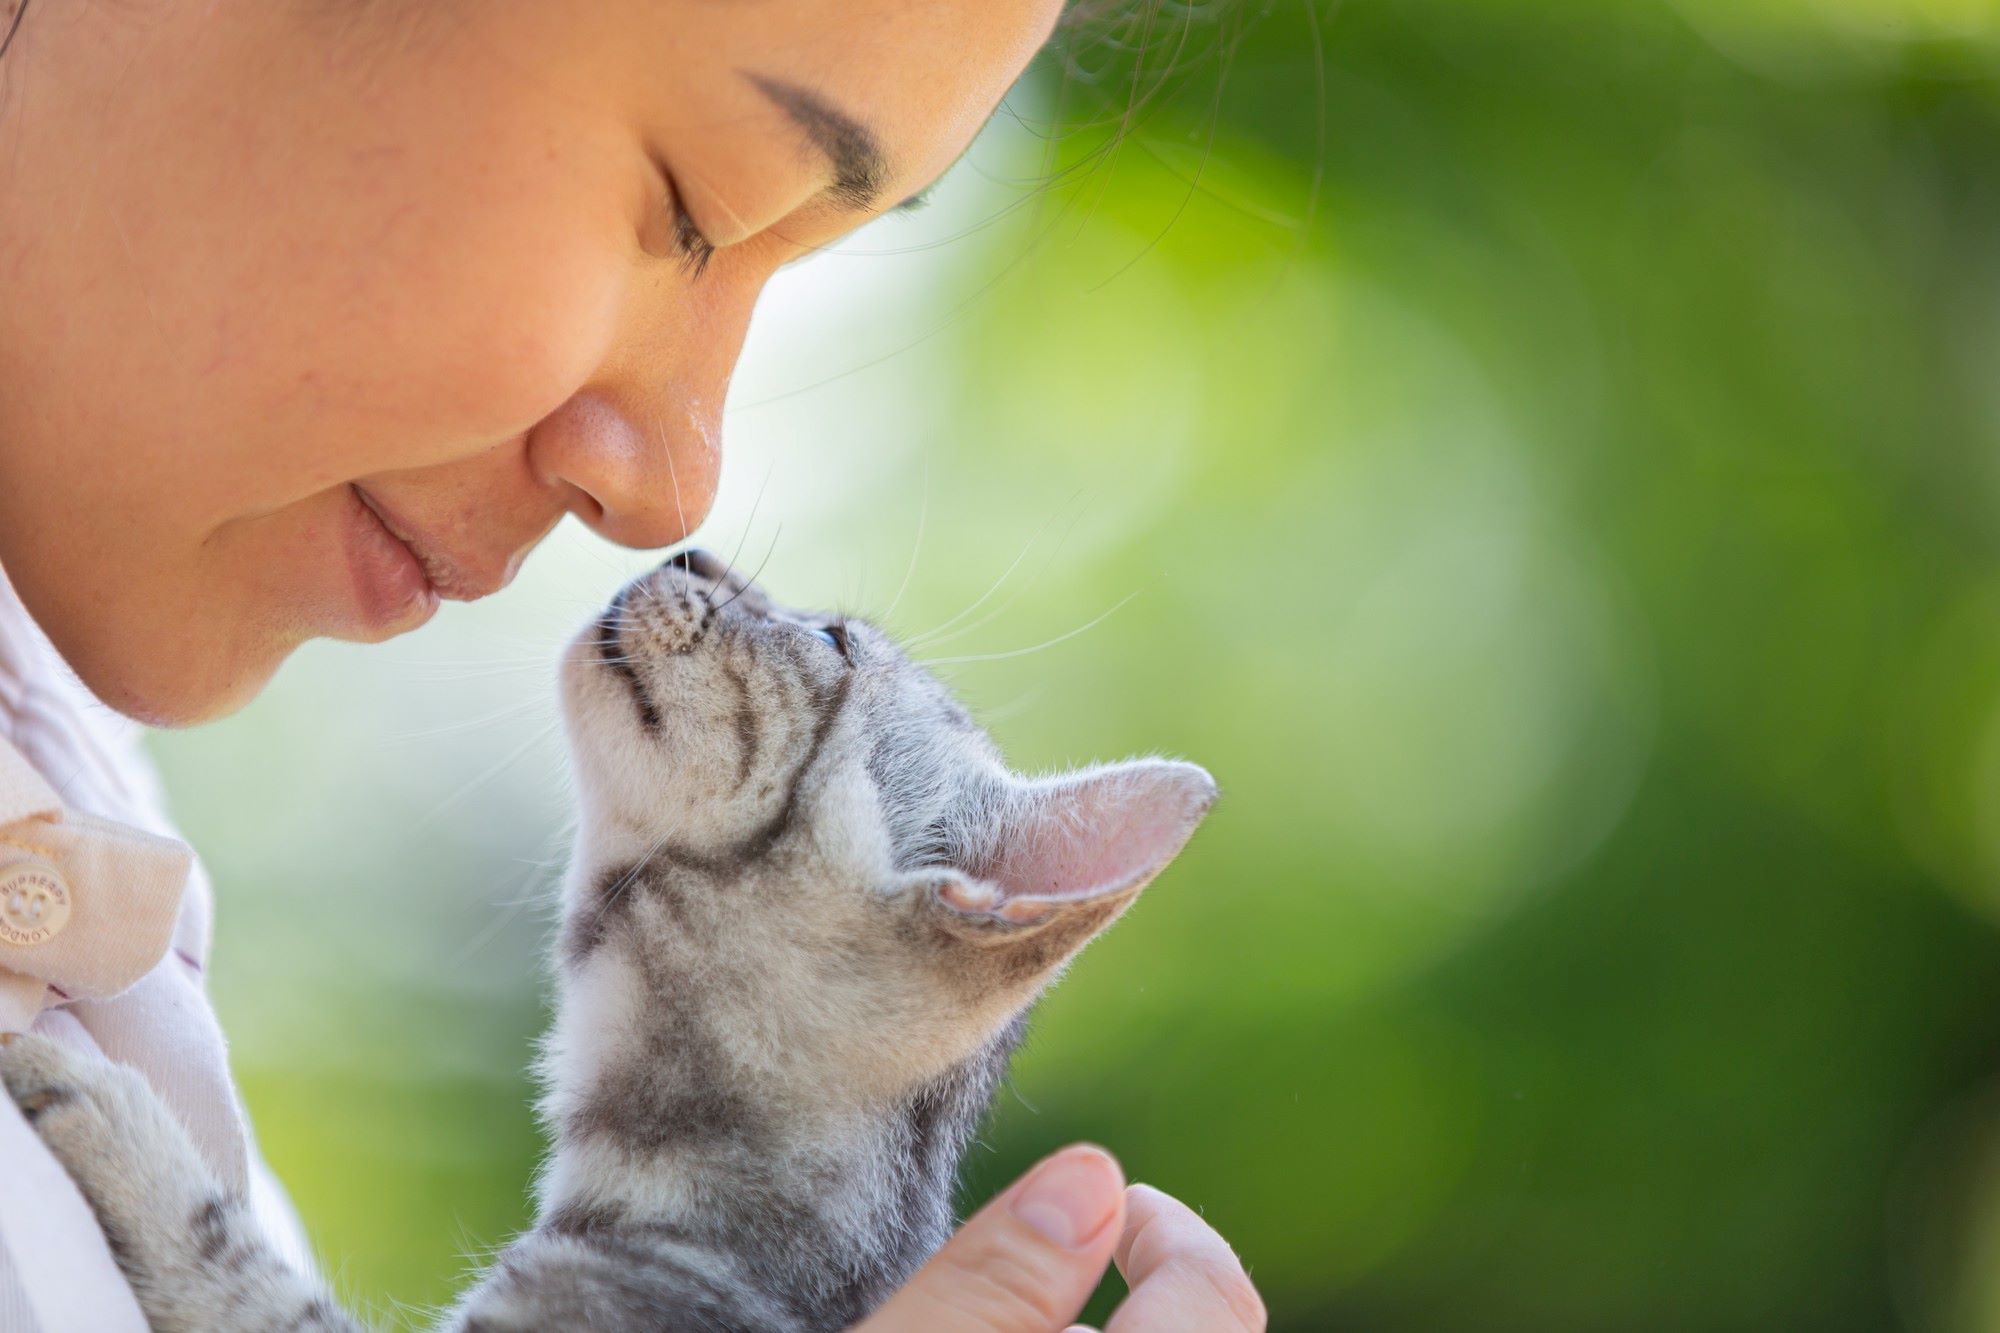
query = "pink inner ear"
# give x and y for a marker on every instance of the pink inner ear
(1101, 831)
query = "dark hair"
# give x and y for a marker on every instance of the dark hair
(13, 26)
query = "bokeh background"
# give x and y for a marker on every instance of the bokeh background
(1541, 455)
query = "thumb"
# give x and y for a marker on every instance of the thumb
(1026, 1262)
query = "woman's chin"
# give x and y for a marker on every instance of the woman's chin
(175, 671)
(186, 694)
(167, 674)
(176, 642)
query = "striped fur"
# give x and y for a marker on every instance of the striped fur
(807, 911)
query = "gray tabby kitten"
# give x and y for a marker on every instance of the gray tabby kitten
(808, 909)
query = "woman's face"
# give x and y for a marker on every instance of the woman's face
(317, 312)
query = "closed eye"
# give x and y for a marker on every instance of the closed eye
(695, 249)
(686, 245)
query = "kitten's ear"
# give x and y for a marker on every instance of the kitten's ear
(1101, 831)
(1075, 850)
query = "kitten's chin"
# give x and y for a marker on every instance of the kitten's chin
(618, 757)
(580, 662)
(596, 722)
(578, 694)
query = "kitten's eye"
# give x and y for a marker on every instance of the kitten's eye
(833, 635)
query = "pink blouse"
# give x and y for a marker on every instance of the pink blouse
(104, 938)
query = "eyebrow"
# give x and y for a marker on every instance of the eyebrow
(859, 165)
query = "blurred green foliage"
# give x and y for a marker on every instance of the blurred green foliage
(1550, 449)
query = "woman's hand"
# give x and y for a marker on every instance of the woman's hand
(1028, 1261)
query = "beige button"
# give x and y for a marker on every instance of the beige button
(34, 903)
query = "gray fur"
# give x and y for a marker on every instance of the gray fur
(807, 912)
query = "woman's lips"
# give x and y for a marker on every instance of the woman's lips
(390, 585)
(456, 577)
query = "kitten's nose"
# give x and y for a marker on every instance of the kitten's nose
(702, 564)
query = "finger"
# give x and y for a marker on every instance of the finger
(1184, 1277)
(1026, 1262)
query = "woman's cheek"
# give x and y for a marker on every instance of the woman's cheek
(553, 325)
(479, 354)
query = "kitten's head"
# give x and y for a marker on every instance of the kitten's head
(783, 804)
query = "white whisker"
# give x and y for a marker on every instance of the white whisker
(493, 771)
(916, 547)
(506, 712)
(1023, 652)
(673, 474)
(932, 635)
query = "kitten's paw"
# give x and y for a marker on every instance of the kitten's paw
(45, 1077)
(95, 1116)
(191, 1250)
(107, 1127)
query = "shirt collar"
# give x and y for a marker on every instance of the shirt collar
(121, 887)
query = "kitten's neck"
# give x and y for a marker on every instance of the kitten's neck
(825, 1207)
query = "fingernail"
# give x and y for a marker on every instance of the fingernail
(1071, 1197)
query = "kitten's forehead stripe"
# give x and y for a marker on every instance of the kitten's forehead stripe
(614, 889)
(747, 725)
(829, 706)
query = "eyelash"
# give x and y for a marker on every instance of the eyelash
(695, 249)
(692, 250)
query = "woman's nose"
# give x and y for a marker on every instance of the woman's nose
(642, 473)
(637, 453)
